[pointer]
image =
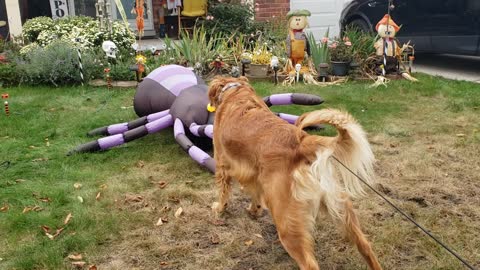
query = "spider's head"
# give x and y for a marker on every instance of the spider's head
(219, 86)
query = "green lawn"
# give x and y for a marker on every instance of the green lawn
(425, 136)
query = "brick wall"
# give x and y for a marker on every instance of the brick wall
(266, 9)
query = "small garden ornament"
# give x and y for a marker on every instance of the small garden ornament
(7, 110)
(388, 50)
(297, 46)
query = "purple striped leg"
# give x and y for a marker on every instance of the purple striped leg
(127, 136)
(195, 153)
(126, 126)
(201, 130)
(292, 98)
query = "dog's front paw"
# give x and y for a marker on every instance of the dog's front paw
(255, 210)
(217, 208)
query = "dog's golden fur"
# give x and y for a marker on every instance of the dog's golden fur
(288, 170)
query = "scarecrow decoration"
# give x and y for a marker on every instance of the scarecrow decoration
(297, 46)
(388, 50)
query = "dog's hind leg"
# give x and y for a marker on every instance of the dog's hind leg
(355, 234)
(294, 226)
(224, 183)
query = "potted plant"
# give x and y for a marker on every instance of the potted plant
(341, 54)
(319, 53)
(259, 58)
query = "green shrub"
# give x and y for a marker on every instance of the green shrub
(55, 64)
(229, 18)
(44, 31)
(8, 74)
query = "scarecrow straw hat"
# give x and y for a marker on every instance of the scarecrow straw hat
(387, 20)
(298, 12)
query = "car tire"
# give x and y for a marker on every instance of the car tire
(360, 24)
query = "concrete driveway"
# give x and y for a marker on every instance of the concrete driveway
(449, 66)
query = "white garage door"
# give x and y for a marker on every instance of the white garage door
(325, 15)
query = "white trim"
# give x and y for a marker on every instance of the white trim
(14, 17)
(71, 7)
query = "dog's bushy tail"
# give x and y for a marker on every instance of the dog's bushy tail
(350, 146)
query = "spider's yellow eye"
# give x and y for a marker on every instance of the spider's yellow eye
(210, 108)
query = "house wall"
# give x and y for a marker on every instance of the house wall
(325, 15)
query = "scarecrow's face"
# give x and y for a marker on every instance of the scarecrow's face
(385, 32)
(298, 22)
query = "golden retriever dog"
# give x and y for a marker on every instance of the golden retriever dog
(287, 170)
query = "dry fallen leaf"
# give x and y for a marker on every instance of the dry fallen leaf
(45, 199)
(162, 184)
(40, 159)
(159, 222)
(140, 164)
(163, 263)
(165, 209)
(32, 147)
(460, 135)
(50, 236)
(37, 208)
(75, 257)
(58, 232)
(179, 212)
(92, 267)
(249, 242)
(20, 180)
(173, 199)
(67, 219)
(79, 264)
(214, 238)
(103, 186)
(80, 199)
(26, 210)
(45, 228)
(77, 186)
(133, 198)
(258, 235)
(4, 208)
(98, 196)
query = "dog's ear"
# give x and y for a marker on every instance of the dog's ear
(214, 89)
(243, 79)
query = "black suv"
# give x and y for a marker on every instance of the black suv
(434, 26)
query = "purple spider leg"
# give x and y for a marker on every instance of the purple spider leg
(201, 130)
(127, 136)
(292, 98)
(123, 127)
(197, 154)
(290, 118)
(126, 126)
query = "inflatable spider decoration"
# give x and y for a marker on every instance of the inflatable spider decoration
(175, 96)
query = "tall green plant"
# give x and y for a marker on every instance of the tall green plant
(362, 43)
(319, 51)
(199, 47)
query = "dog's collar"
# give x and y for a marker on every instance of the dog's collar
(227, 87)
(230, 86)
